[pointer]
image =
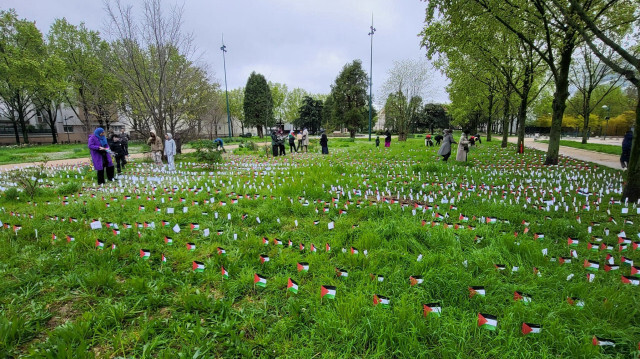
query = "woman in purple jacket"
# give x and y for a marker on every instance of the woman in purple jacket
(100, 155)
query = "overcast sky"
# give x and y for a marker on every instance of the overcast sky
(301, 43)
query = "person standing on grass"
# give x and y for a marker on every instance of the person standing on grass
(305, 139)
(626, 149)
(445, 149)
(124, 140)
(100, 156)
(387, 139)
(281, 138)
(219, 145)
(377, 141)
(324, 142)
(170, 151)
(292, 142)
(274, 143)
(463, 148)
(156, 148)
(299, 138)
(116, 146)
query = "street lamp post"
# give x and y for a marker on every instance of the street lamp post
(371, 32)
(66, 129)
(605, 107)
(224, 62)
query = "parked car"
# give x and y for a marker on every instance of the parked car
(248, 134)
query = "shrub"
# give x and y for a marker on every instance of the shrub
(11, 194)
(205, 152)
(68, 188)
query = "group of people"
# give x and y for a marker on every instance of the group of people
(279, 137)
(102, 149)
(447, 141)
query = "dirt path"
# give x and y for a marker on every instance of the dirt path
(77, 161)
(603, 159)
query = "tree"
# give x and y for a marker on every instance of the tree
(588, 73)
(50, 94)
(431, 116)
(258, 104)
(593, 25)
(350, 98)
(236, 106)
(21, 55)
(408, 80)
(292, 104)
(310, 114)
(279, 94)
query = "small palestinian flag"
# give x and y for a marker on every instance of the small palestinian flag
(99, 244)
(341, 273)
(487, 321)
(265, 241)
(593, 247)
(575, 302)
(225, 274)
(195, 226)
(70, 238)
(379, 278)
(197, 266)
(158, 209)
(572, 242)
(538, 236)
(222, 252)
(328, 291)
(591, 265)
(164, 259)
(115, 232)
(354, 250)
(313, 248)
(602, 342)
(609, 268)
(626, 261)
(327, 247)
(303, 267)
(590, 277)
(191, 246)
(563, 260)
(301, 246)
(492, 220)
(53, 237)
(113, 246)
(220, 232)
(519, 296)
(463, 218)
(263, 258)
(290, 244)
(292, 286)
(140, 208)
(415, 280)
(316, 222)
(500, 266)
(476, 290)
(277, 242)
(431, 310)
(168, 240)
(382, 301)
(165, 223)
(630, 280)
(635, 271)
(145, 254)
(635, 246)
(259, 280)
(528, 328)
(606, 248)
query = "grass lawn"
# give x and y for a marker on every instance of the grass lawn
(35, 153)
(364, 253)
(611, 149)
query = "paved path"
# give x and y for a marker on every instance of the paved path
(603, 159)
(77, 161)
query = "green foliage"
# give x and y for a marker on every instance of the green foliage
(258, 104)
(349, 98)
(310, 114)
(11, 194)
(68, 188)
(205, 152)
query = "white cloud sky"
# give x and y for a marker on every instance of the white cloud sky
(301, 43)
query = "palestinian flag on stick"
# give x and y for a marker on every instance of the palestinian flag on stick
(538, 236)
(608, 268)
(168, 240)
(635, 271)
(572, 242)
(591, 265)
(99, 244)
(602, 342)
(53, 237)
(303, 267)
(328, 291)
(530, 328)
(431, 309)
(198, 266)
(195, 226)
(379, 278)
(259, 280)
(341, 273)
(630, 280)
(590, 277)
(487, 321)
(145, 254)
(225, 274)
(476, 290)
(626, 261)
(263, 258)
(70, 238)
(415, 280)
(292, 286)
(383, 301)
(575, 302)
(222, 252)
(164, 259)
(354, 250)
(525, 298)
(191, 246)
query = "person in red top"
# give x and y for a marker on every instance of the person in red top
(427, 141)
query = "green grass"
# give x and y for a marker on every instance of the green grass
(60, 299)
(35, 153)
(610, 149)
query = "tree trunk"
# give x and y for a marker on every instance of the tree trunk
(352, 132)
(489, 121)
(586, 114)
(505, 118)
(23, 125)
(54, 134)
(15, 130)
(632, 188)
(260, 132)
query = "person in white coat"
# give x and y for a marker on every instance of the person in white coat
(170, 151)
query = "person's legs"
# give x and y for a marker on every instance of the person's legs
(299, 145)
(110, 171)
(118, 160)
(171, 163)
(325, 150)
(446, 157)
(275, 150)
(100, 176)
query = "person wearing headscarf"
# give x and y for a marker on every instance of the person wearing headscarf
(305, 139)
(100, 155)
(387, 139)
(274, 143)
(445, 148)
(626, 149)
(170, 150)
(292, 142)
(463, 148)
(156, 148)
(117, 147)
(324, 142)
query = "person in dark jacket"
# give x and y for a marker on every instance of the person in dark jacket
(274, 143)
(117, 147)
(626, 149)
(292, 142)
(377, 141)
(387, 139)
(124, 139)
(438, 138)
(478, 139)
(100, 155)
(324, 141)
